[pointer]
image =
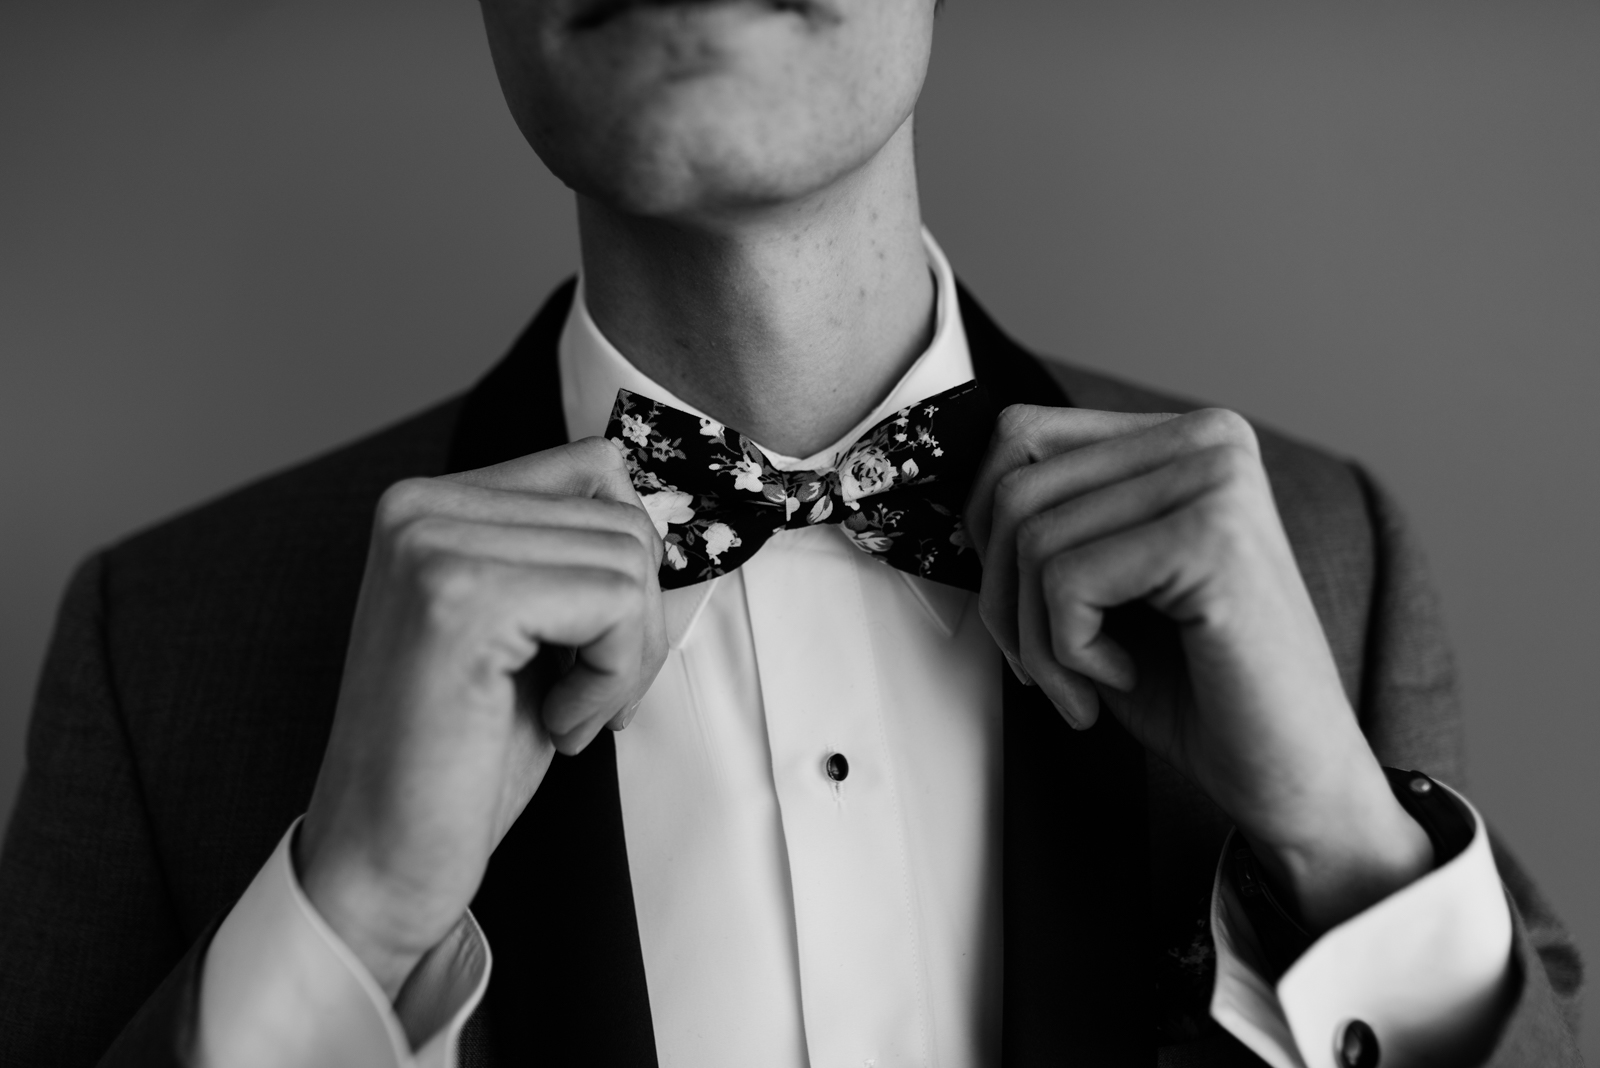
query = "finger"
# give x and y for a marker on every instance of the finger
(1070, 691)
(1027, 433)
(1073, 695)
(1078, 587)
(412, 500)
(593, 694)
(517, 544)
(1024, 435)
(512, 610)
(1029, 489)
(620, 721)
(1026, 491)
(1099, 514)
(555, 547)
(606, 674)
(1119, 506)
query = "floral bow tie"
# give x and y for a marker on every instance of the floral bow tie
(897, 492)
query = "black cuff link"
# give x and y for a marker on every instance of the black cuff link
(1279, 930)
(1355, 1046)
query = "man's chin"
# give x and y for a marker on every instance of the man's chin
(696, 109)
(700, 178)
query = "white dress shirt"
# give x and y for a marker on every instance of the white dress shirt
(788, 919)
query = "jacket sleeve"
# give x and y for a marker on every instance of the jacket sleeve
(90, 946)
(1411, 714)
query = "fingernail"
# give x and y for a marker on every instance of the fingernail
(1016, 669)
(1068, 715)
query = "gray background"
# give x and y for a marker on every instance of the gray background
(233, 234)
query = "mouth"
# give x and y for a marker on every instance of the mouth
(597, 13)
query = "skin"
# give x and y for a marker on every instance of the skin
(746, 193)
(751, 239)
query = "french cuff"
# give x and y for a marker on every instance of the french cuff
(280, 989)
(1413, 980)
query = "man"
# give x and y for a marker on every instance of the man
(850, 810)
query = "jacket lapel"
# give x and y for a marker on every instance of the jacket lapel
(1075, 881)
(557, 901)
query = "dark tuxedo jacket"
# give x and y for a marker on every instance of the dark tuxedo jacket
(188, 692)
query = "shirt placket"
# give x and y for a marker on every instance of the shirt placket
(863, 987)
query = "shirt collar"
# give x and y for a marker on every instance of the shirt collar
(593, 369)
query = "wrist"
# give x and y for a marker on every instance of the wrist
(1358, 847)
(360, 910)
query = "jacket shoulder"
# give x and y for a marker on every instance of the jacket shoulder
(315, 498)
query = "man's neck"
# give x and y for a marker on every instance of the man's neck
(789, 322)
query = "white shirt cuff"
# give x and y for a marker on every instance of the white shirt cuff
(280, 989)
(1423, 968)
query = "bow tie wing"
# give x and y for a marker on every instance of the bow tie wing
(905, 483)
(708, 489)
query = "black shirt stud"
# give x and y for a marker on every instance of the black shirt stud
(837, 767)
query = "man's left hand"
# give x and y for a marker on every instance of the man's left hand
(1139, 560)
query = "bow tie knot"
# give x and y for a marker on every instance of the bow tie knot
(897, 492)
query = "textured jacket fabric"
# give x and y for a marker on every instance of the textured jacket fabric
(192, 678)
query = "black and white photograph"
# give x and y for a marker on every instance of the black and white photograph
(799, 534)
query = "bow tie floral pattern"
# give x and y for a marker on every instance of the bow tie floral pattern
(897, 493)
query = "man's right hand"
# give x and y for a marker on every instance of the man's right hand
(445, 726)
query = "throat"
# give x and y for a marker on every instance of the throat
(797, 392)
(789, 326)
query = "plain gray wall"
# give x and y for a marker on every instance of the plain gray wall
(233, 234)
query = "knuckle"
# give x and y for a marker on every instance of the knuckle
(1229, 464)
(403, 500)
(1011, 492)
(416, 537)
(635, 559)
(646, 556)
(643, 526)
(1063, 648)
(1218, 524)
(1059, 577)
(1033, 535)
(623, 589)
(446, 583)
(1221, 426)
